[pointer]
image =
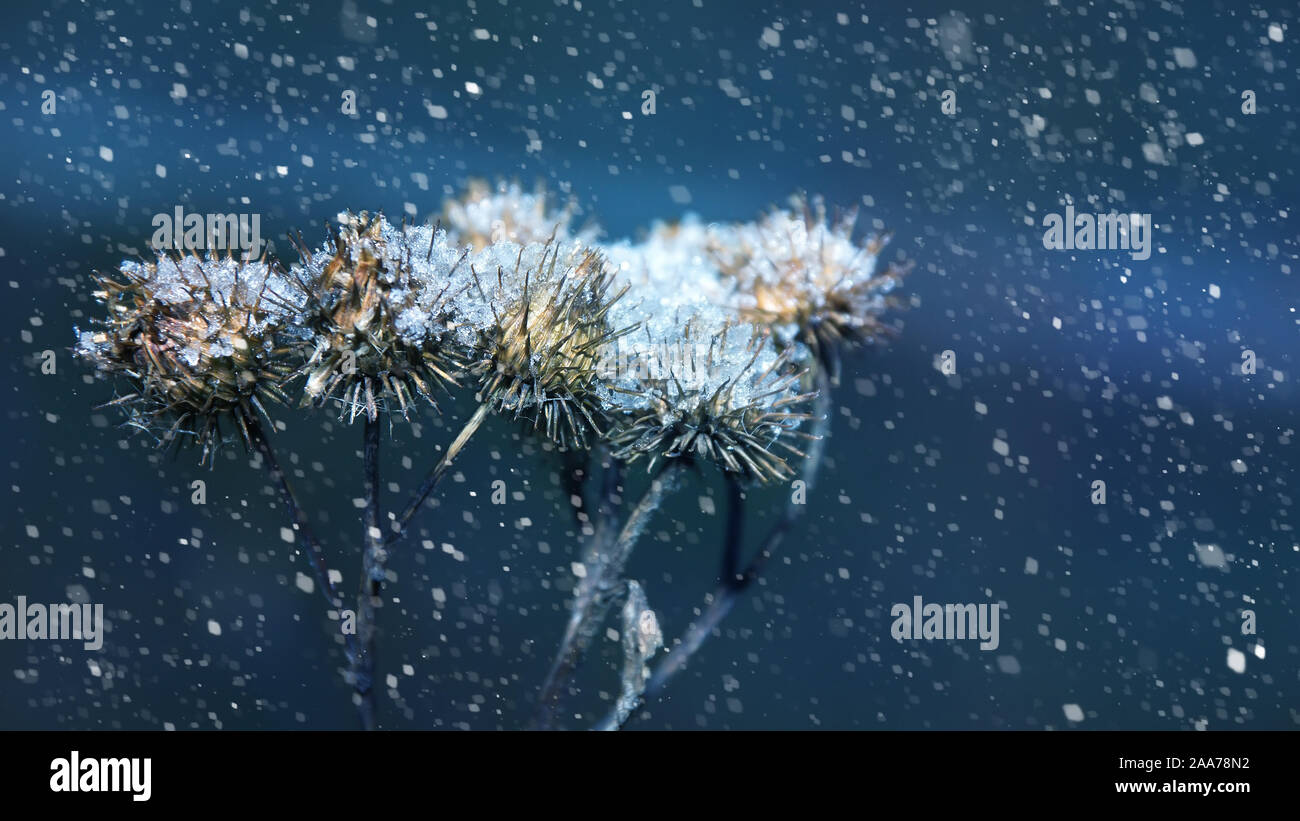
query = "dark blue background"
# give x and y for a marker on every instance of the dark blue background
(1120, 618)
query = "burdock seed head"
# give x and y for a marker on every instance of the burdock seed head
(540, 320)
(715, 392)
(485, 214)
(378, 308)
(197, 339)
(806, 277)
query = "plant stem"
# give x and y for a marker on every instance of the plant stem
(315, 556)
(435, 475)
(596, 592)
(607, 507)
(734, 583)
(373, 558)
(734, 533)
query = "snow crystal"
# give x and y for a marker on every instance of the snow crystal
(1236, 660)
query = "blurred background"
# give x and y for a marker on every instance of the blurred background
(1072, 366)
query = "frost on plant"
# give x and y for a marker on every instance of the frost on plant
(702, 345)
(200, 340)
(641, 638)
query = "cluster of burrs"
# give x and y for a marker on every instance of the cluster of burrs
(695, 343)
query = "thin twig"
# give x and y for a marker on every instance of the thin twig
(597, 591)
(607, 508)
(362, 671)
(315, 556)
(435, 475)
(733, 584)
(734, 533)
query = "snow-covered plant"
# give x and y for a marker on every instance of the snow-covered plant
(719, 338)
